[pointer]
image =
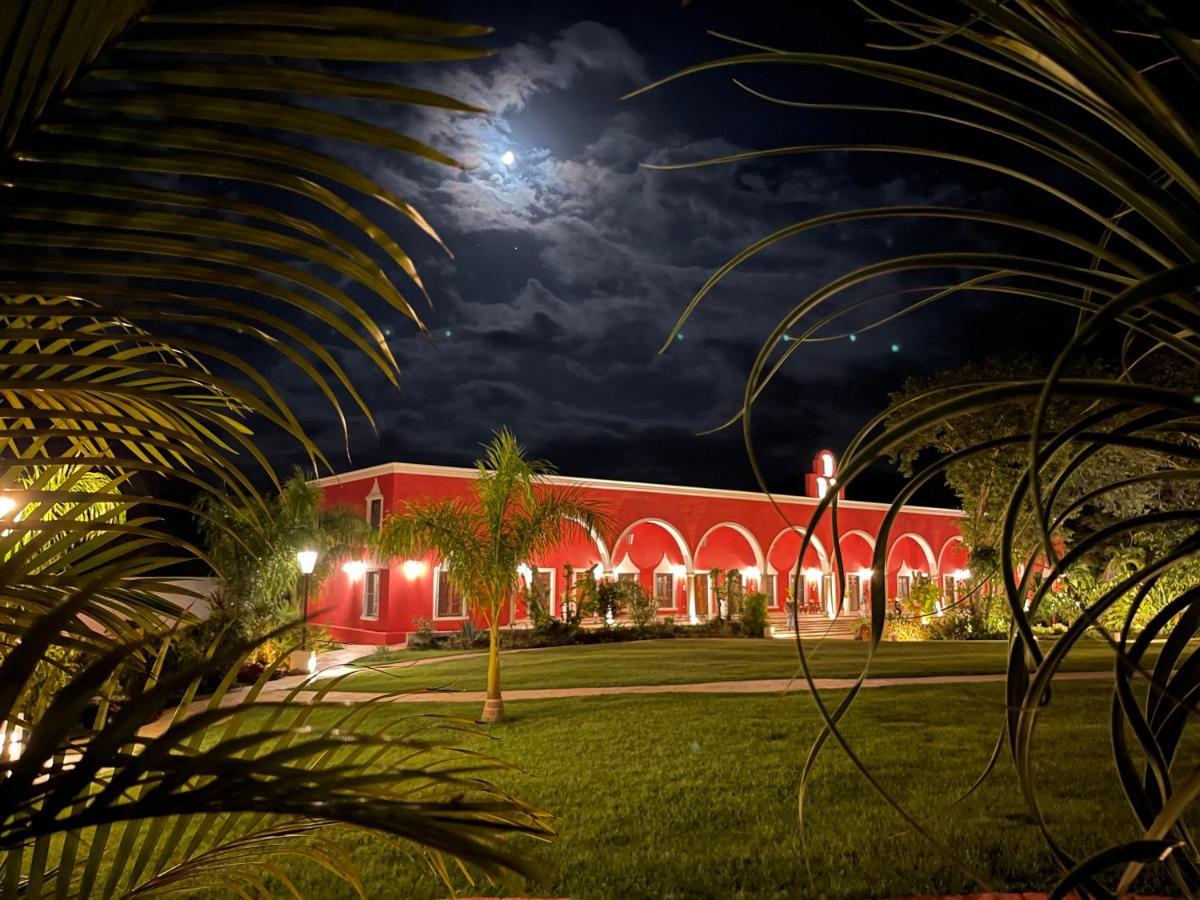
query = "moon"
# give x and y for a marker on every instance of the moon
(508, 157)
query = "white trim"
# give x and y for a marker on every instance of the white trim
(922, 543)
(626, 567)
(437, 579)
(374, 494)
(604, 484)
(665, 567)
(860, 533)
(666, 526)
(815, 543)
(512, 612)
(362, 597)
(759, 559)
(957, 539)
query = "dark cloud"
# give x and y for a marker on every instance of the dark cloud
(572, 265)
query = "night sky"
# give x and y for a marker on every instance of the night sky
(572, 264)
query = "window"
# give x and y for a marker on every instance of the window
(701, 588)
(450, 603)
(541, 591)
(828, 594)
(769, 589)
(370, 596)
(853, 592)
(903, 586)
(375, 512)
(627, 576)
(664, 589)
(949, 588)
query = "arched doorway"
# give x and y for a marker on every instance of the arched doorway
(910, 561)
(725, 548)
(808, 581)
(653, 553)
(857, 549)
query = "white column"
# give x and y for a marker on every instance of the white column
(691, 597)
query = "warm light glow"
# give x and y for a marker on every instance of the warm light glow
(508, 157)
(812, 573)
(822, 486)
(354, 568)
(598, 571)
(7, 505)
(827, 465)
(866, 574)
(679, 571)
(526, 573)
(307, 559)
(11, 743)
(310, 666)
(413, 568)
(962, 574)
(751, 573)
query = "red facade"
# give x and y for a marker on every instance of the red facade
(666, 537)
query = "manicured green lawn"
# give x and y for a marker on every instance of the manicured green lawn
(695, 796)
(384, 657)
(690, 660)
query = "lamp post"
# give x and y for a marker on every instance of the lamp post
(307, 560)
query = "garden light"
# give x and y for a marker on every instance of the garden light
(307, 560)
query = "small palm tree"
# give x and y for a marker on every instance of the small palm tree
(512, 517)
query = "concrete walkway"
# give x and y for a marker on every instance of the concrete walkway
(758, 686)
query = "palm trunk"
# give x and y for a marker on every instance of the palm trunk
(493, 706)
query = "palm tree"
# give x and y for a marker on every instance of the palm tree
(176, 221)
(1082, 115)
(254, 549)
(512, 517)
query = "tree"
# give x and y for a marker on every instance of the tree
(253, 550)
(512, 517)
(1074, 122)
(984, 481)
(178, 240)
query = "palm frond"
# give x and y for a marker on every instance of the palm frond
(1051, 98)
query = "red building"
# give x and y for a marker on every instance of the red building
(666, 537)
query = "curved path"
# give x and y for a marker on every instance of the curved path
(758, 686)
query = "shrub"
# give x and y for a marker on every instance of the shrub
(640, 604)
(754, 615)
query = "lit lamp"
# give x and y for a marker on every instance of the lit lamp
(8, 503)
(304, 658)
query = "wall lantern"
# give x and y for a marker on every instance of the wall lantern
(412, 568)
(354, 568)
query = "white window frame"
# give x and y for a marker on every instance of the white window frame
(375, 496)
(512, 607)
(671, 593)
(367, 578)
(854, 596)
(438, 573)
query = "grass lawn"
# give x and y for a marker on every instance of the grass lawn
(690, 660)
(695, 796)
(385, 656)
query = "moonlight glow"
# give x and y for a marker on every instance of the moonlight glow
(508, 157)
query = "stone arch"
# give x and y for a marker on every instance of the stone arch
(893, 572)
(759, 559)
(666, 526)
(785, 574)
(816, 544)
(598, 540)
(954, 544)
(920, 542)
